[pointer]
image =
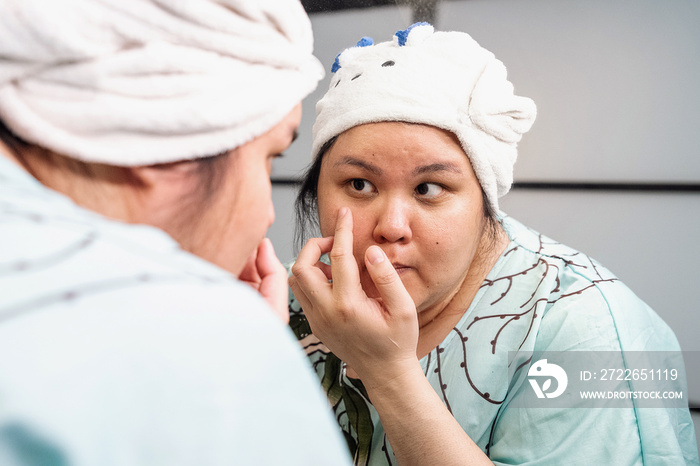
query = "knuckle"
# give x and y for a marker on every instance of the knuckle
(339, 304)
(337, 253)
(297, 270)
(385, 278)
(342, 309)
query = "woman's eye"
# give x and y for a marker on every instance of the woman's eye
(429, 190)
(361, 186)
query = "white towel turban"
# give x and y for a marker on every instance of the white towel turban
(442, 79)
(137, 82)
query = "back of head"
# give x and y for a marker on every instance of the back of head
(442, 79)
(139, 82)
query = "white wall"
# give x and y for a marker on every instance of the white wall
(615, 81)
(616, 84)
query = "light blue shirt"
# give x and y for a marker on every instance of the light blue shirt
(118, 348)
(540, 296)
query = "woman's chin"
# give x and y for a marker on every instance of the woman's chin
(371, 290)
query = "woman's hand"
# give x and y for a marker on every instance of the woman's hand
(266, 274)
(376, 337)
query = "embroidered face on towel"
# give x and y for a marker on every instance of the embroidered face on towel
(137, 82)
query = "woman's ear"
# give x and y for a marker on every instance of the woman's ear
(159, 191)
(156, 176)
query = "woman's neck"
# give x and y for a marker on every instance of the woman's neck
(7, 153)
(96, 187)
(438, 322)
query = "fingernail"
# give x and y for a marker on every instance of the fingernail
(342, 212)
(375, 255)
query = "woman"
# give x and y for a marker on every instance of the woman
(436, 307)
(137, 143)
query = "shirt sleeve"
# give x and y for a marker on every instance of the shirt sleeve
(163, 374)
(611, 320)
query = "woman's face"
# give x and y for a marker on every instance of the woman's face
(412, 191)
(237, 221)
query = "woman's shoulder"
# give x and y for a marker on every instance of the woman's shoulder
(204, 354)
(586, 304)
(85, 287)
(56, 253)
(569, 262)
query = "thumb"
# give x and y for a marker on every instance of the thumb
(388, 283)
(267, 261)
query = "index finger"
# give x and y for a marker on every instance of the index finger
(266, 261)
(346, 274)
(305, 269)
(249, 273)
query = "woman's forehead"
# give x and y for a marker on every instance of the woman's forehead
(394, 126)
(396, 145)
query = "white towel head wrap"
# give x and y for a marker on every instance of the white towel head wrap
(442, 79)
(138, 82)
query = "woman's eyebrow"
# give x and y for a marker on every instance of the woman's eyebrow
(437, 167)
(359, 163)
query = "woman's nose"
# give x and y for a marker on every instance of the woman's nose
(393, 222)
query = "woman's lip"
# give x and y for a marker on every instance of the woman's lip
(401, 268)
